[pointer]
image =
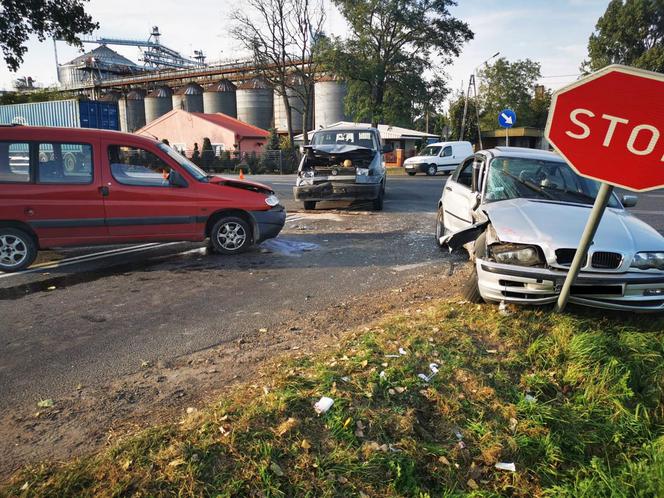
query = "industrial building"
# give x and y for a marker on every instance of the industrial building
(183, 129)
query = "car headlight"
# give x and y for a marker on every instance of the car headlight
(362, 171)
(305, 177)
(648, 260)
(272, 200)
(516, 254)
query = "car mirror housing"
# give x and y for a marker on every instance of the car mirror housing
(175, 179)
(629, 201)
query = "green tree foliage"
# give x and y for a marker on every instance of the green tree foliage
(455, 118)
(506, 84)
(273, 141)
(19, 19)
(196, 155)
(207, 154)
(630, 32)
(392, 44)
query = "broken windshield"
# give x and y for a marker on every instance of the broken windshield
(515, 177)
(357, 138)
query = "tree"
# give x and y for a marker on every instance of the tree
(391, 45)
(471, 132)
(207, 155)
(272, 140)
(281, 35)
(506, 84)
(630, 32)
(19, 19)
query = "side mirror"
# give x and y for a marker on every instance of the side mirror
(629, 200)
(388, 148)
(175, 179)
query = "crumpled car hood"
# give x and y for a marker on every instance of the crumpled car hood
(241, 184)
(559, 225)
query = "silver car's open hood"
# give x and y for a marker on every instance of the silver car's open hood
(560, 225)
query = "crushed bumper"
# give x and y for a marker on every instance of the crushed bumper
(334, 191)
(524, 285)
(268, 223)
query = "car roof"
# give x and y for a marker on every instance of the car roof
(524, 153)
(37, 132)
(452, 142)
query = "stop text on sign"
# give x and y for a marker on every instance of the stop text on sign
(643, 138)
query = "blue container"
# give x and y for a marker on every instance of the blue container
(64, 113)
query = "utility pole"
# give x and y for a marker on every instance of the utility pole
(473, 86)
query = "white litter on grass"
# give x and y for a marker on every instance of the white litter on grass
(434, 370)
(425, 378)
(382, 374)
(402, 351)
(433, 367)
(391, 356)
(529, 398)
(323, 405)
(502, 309)
(345, 379)
(506, 466)
(287, 247)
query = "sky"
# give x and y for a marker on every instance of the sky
(552, 32)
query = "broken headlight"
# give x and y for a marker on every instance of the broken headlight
(516, 254)
(362, 171)
(272, 200)
(306, 177)
(648, 260)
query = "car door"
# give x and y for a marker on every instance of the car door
(140, 201)
(446, 161)
(55, 189)
(459, 198)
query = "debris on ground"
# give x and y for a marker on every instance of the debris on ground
(323, 405)
(510, 467)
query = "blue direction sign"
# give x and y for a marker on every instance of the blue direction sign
(507, 118)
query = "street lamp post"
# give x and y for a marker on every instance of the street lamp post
(471, 84)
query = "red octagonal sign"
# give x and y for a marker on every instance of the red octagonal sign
(609, 126)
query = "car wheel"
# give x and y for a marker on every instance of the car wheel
(431, 170)
(440, 227)
(231, 235)
(471, 292)
(379, 201)
(309, 205)
(410, 173)
(17, 250)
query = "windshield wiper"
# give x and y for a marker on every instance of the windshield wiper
(529, 185)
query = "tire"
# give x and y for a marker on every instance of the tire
(431, 170)
(18, 249)
(440, 227)
(231, 235)
(410, 173)
(379, 201)
(471, 292)
(309, 205)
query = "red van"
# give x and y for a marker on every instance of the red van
(66, 187)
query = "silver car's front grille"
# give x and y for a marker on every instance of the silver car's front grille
(600, 260)
(606, 260)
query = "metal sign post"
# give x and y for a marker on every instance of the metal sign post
(581, 255)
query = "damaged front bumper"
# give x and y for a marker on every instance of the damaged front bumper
(337, 191)
(268, 224)
(630, 291)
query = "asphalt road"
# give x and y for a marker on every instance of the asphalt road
(93, 315)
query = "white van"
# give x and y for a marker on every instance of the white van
(437, 157)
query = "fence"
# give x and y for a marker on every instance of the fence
(267, 162)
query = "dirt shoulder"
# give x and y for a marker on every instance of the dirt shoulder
(96, 417)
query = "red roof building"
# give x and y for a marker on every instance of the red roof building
(183, 129)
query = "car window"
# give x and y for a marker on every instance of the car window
(431, 150)
(516, 177)
(447, 151)
(66, 163)
(14, 162)
(346, 137)
(464, 173)
(138, 167)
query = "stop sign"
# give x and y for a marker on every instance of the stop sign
(609, 126)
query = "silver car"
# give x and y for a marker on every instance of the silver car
(520, 214)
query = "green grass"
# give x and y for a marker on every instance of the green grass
(593, 427)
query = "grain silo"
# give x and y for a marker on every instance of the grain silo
(329, 96)
(132, 111)
(255, 103)
(158, 102)
(296, 94)
(189, 98)
(220, 97)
